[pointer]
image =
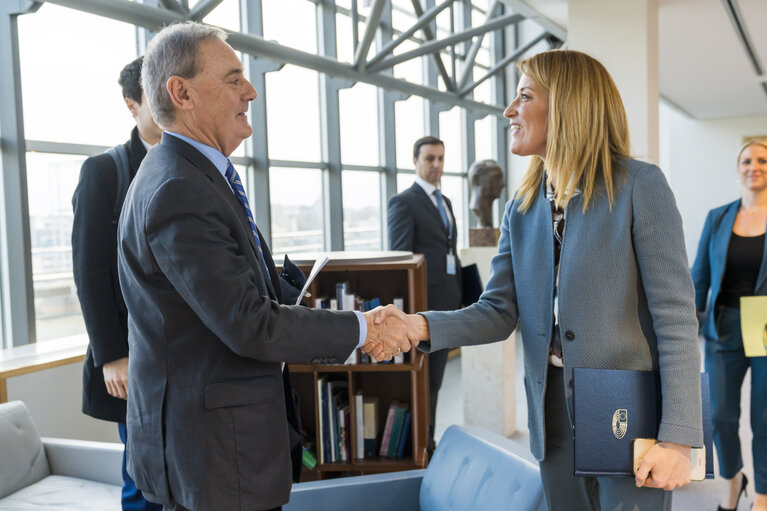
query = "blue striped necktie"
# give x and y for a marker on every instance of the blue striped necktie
(443, 211)
(239, 191)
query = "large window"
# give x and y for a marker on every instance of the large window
(51, 181)
(73, 106)
(70, 89)
(296, 205)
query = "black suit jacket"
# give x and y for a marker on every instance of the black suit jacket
(415, 224)
(94, 263)
(207, 426)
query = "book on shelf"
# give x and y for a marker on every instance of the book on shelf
(405, 437)
(370, 425)
(323, 425)
(395, 419)
(334, 397)
(359, 424)
(398, 422)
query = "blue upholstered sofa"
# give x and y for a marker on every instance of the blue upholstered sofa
(472, 470)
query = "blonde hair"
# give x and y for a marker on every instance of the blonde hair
(587, 131)
(760, 141)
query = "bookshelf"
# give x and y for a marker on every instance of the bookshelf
(404, 382)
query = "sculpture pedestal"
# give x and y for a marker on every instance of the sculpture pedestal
(488, 371)
(484, 237)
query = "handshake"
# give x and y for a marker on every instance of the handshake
(391, 331)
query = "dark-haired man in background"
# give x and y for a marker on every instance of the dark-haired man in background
(421, 220)
(97, 202)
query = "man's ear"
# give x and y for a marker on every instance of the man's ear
(132, 106)
(179, 93)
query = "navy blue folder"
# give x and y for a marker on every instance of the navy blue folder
(612, 408)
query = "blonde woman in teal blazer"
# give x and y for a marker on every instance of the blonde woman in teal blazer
(624, 299)
(732, 262)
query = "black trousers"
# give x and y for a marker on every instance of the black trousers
(437, 362)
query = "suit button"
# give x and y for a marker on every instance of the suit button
(569, 335)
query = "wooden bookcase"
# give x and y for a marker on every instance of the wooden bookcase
(406, 382)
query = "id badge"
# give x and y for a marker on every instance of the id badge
(450, 265)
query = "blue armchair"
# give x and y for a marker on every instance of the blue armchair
(472, 469)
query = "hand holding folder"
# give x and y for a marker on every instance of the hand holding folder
(666, 465)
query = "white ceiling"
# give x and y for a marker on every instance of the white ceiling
(704, 69)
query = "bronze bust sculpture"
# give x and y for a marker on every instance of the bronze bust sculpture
(486, 179)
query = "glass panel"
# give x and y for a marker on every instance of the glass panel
(51, 181)
(344, 42)
(293, 114)
(404, 181)
(408, 117)
(484, 131)
(292, 23)
(70, 63)
(358, 107)
(225, 15)
(451, 134)
(362, 210)
(410, 70)
(452, 188)
(296, 205)
(483, 92)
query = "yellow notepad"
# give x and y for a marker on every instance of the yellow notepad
(753, 325)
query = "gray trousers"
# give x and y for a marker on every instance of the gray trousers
(567, 492)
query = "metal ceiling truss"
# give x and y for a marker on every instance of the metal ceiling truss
(373, 70)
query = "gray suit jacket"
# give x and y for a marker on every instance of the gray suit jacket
(206, 417)
(415, 225)
(626, 300)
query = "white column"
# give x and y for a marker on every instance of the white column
(623, 35)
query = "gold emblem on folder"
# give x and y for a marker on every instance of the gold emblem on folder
(620, 422)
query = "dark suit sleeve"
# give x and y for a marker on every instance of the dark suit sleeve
(701, 269)
(401, 224)
(190, 238)
(94, 256)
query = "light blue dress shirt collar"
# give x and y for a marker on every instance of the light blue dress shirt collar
(214, 155)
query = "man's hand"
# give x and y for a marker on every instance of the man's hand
(116, 377)
(666, 466)
(391, 331)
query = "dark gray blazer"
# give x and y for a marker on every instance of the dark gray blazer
(415, 225)
(626, 300)
(94, 264)
(206, 419)
(708, 270)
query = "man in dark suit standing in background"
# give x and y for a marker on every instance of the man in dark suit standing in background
(421, 220)
(212, 423)
(94, 264)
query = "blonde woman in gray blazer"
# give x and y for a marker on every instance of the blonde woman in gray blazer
(612, 287)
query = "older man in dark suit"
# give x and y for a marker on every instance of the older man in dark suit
(421, 220)
(211, 416)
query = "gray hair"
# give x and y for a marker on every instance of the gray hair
(172, 52)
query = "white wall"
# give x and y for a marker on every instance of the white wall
(53, 397)
(698, 157)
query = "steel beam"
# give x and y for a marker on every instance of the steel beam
(429, 35)
(471, 55)
(387, 137)
(154, 18)
(17, 306)
(361, 52)
(424, 19)
(501, 64)
(203, 8)
(496, 23)
(521, 7)
(330, 131)
(258, 183)
(173, 5)
(499, 146)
